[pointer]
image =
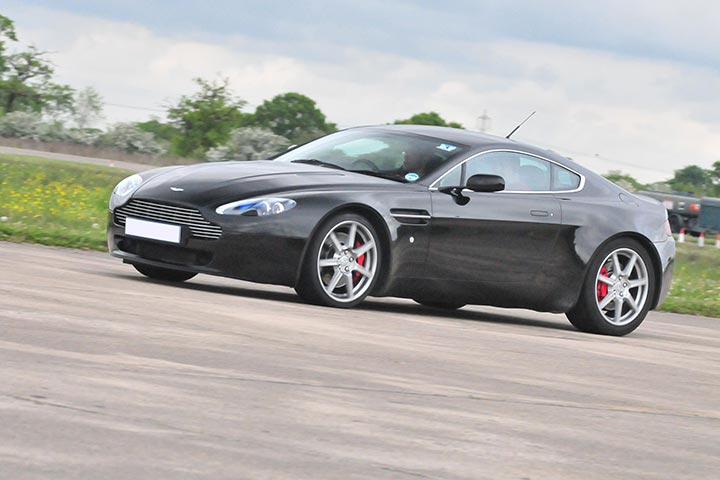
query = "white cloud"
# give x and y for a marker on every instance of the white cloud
(643, 116)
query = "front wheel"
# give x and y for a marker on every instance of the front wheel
(342, 263)
(618, 291)
(164, 274)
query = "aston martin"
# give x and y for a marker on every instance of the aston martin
(443, 216)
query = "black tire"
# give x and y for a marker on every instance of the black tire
(587, 315)
(311, 287)
(676, 223)
(165, 274)
(440, 304)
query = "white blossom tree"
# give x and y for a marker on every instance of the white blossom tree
(248, 143)
(129, 138)
(87, 108)
(32, 126)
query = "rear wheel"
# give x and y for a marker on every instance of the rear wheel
(342, 263)
(165, 274)
(617, 293)
(439, 304)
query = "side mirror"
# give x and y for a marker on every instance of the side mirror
(486, 183)
(476, 183)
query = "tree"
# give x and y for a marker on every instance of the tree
(660, 187)
(206, 118)
(249, 143)
(428, 118)
(21, 125)
(129, 138)
(87, 108)
(692, 179)
(293, 116)
(714, 174)
(26, 79)
(624, 180)
(32, 125)
(7, 32)
(162, 131)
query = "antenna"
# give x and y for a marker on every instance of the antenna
(521, 124)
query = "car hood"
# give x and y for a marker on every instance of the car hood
(217, 183)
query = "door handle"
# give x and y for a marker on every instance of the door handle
(539, 213)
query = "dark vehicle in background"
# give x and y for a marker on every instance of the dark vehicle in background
(709, 220)
(695, 215)
(443, 216)
(683, 210)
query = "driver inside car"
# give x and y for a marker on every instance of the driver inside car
(418, 161)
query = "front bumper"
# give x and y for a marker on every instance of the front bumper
(254, 256)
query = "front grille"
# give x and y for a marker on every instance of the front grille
(192, 218)
(164, 253)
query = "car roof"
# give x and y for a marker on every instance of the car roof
(470, 138)
(482, 141)
(465, 137)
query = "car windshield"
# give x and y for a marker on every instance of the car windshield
(397, 156)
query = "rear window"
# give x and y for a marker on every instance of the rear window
(563, 179)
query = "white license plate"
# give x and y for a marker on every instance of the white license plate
(152, 230)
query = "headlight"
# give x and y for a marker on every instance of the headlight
(257, 207)
(123, 190)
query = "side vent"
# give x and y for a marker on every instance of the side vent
(410, 216)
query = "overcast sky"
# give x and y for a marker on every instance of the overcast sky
(633, 86)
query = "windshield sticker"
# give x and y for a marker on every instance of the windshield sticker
(411, 177)
(446, 147)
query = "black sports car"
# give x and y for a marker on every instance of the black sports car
(443, 216)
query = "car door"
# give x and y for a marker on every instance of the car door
(498, 237)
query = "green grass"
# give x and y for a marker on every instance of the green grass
(54, 202)
(696, 281)
(64, 203)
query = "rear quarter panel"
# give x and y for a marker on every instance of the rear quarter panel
(594, 217)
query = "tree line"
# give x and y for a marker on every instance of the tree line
(691, 180)
(211, 123)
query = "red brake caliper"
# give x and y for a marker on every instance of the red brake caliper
(360, 261)
(602, 287)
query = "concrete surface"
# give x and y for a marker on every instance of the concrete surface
(104, 374)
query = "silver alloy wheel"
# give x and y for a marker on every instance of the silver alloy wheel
(347, 261)
(621, 286)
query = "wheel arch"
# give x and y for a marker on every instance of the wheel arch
(378, 223)
(652, 252)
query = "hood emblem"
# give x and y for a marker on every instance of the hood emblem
(177, 189)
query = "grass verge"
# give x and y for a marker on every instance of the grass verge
(696, 281)
(65, 204)
(54, 202)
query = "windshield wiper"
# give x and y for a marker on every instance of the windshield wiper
(315, 161)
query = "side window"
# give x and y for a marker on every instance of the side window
(564, 179)
(534, 174)
(522, 173)
(453, 179)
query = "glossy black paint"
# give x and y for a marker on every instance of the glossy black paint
(486, 183)
(508, 249)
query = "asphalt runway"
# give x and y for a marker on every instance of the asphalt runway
(107, 375)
